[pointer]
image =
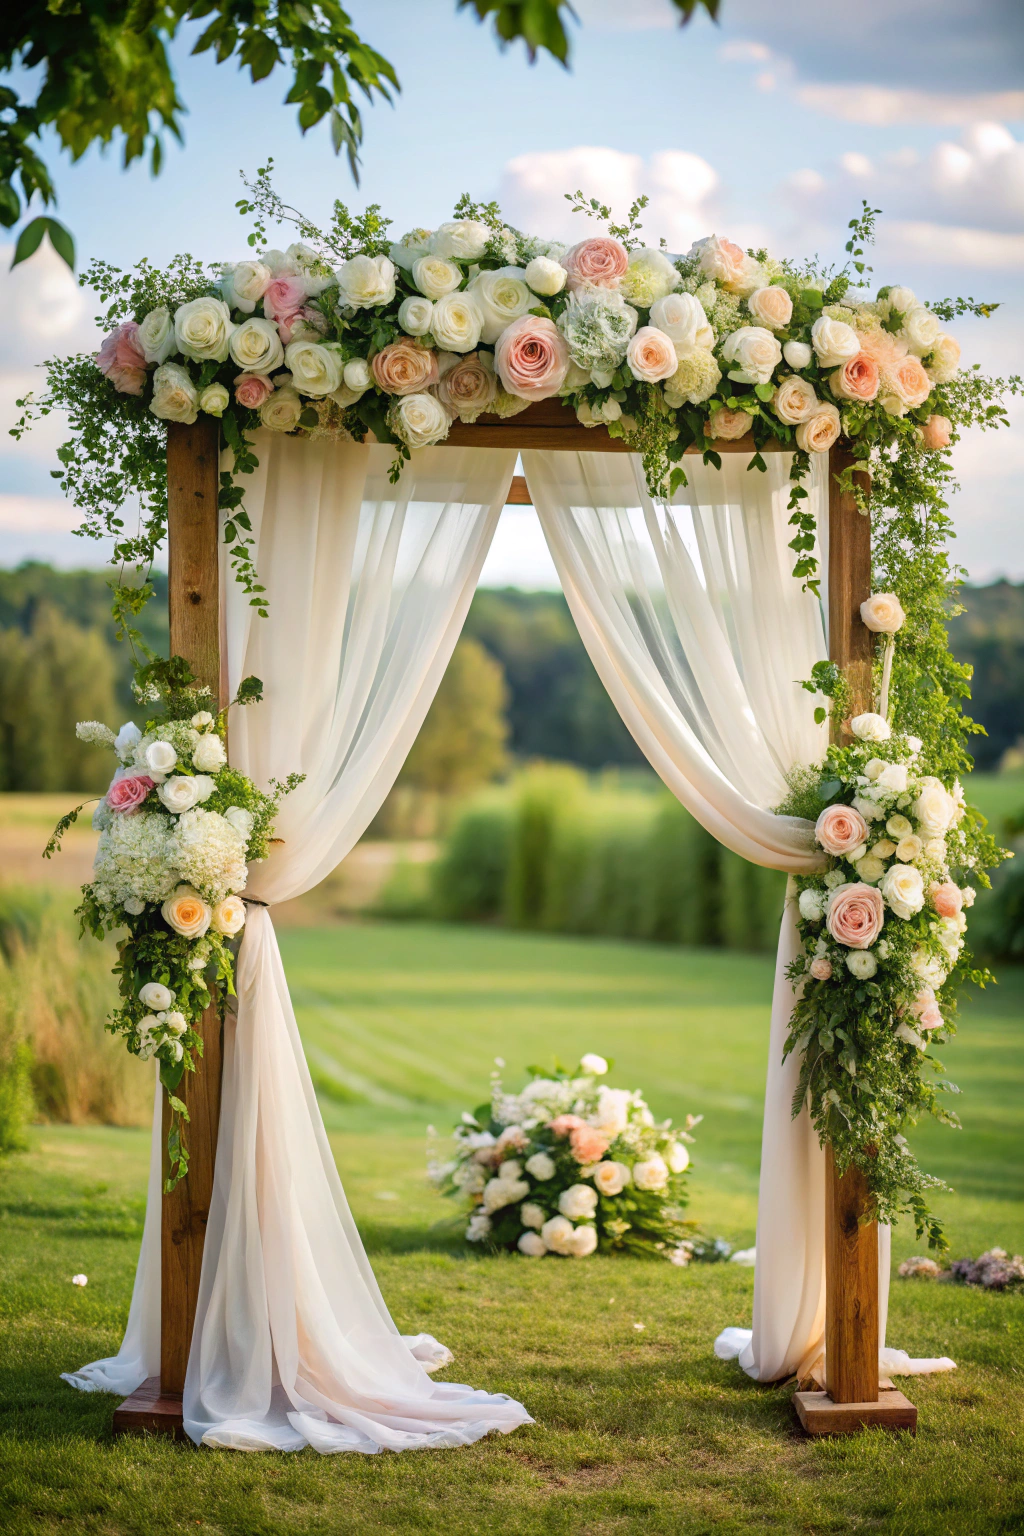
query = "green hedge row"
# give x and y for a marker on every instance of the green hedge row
(555, 854)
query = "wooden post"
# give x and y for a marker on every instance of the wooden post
(852, 1399)
(195, 624)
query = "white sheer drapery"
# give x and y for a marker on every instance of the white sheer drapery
(368, 587)
(701, 637)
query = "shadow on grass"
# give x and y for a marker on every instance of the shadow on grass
(442, 1237)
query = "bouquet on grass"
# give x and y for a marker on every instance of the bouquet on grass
(178, 827)
(570, 1166)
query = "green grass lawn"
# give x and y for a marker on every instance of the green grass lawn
(637, 1429)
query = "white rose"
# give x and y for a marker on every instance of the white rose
(126, 739)
(898, 826)
(434, 276)
(577, 1201)
(366, 281)
(457, 322)
(316, 369)
(498, 1193)
(156, 335)
(834, 341)
(410, 248)
(677, 1156)
(146, 1028)
(540, 1167)
(893, 777)
(214, 400)
(929, 967)
(934, 807)
(771, 306)
(415, 315)
(900, 299)
(811, 904)
(557, 1234)
(175, 397)
(420, 420)
(594, 1066)
(466, 239)
(861, 963)
(545, 277)
(797, 354)
(176, 1023)
(873, 767)
(612, 1113)
(281, 412)
(909, 848)
(239, 818)
(228, 916)
(161, 757)
(205, 786)
(611, 1178)
(682, 318)
(903, 890)
(357, 374)
(209, 755)
(306, 263)
(920, 330)
(156, 996)
(202, 330)
(179, 794)
(795, 401)
(501, 297)
(256, 346)
(532, 1244)
(882, 613)
(200, 718)
(651, 1173)
(532, 1215)
(244, 283)
(583, 1242)
(870, 727)
(754, 352)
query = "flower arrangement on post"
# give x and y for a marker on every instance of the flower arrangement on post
(178, 827)
(570, 1166)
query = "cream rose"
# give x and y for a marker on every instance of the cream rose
(179, 793)
(214, 400)
(870, 727)
(501, 296)
(256, 346)
(583, 1242)
(611, 1178)
(795, 401)
(281, 412)
(909, 848)
(415, 315)
(532, 1245)
(228, 916)
(186, 912)
(651, 355)
(797, 354)
(202, 330)
(820, 431)
(944, 359)
(771, 307)
(727, 425)
(651, 1172)
(457, 323)
(920, 330)
(578, 1201)
(934, 807)
(364, 282)
(903, 889)
(175, 397)
(155, 336)
(316, 369)
(434, 276)
(404, 368)
(754, 353)
(532, 1215)
(540, 1167)
(883, 613)
(682, 318)
(420, 420)
(244, 283)
(545, 276)
(356, 374)
(557, 1234)
(834, 341)
(465, 239)
(208, 754)
(677, 1157)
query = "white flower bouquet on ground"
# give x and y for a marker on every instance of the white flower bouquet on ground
(570, 1166)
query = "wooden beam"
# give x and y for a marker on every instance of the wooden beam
(552, 424)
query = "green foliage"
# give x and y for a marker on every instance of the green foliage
(16, 1100)
(461, 743)
(541, 23)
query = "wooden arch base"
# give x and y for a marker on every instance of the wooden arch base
(853, 1399)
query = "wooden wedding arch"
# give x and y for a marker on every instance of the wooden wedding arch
(853, 1398)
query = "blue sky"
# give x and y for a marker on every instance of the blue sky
(770, 127)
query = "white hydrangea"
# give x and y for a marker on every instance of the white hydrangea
(598, 326)
(209, 853)
(134, 859)
(95, 733)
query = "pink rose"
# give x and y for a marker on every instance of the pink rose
(588, 1145)
(821, 968)
(563, 1124)
(935, 432)
(596, 263)
(126, 795)
(839, 829)
(651, 355)
(251, 389)
(405, 368)
(122, 360)
(911, 382)
(291, 327)
(947, 898)
(930, 1016)
(856, 380)
(532, 357)
(469, 386)
(727, 425)
(284, 297)
(856, 913)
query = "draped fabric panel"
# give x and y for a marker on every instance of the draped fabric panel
(701, 637)
(368, 587)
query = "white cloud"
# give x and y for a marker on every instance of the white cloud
(39, 514)
(683, 189)
(880, 105)
(43, 307)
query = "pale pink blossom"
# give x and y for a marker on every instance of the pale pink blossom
(532, 358)
(127, 794)
(562, 1125)
(651, 355)
(856, 380)
(283, 297)
(856, 913)
(726, 425)
(947, 898)
(821, 968)
(935, 433)
(122, 360)
(405, 367)
(840, 829)
(599, 262)
(251, 389)
(588, 1145)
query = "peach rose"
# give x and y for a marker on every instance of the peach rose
(947, 898)
(840, 829)
(468, 386)
(856, 380)
(911, 383)
(186, 912)
(883, 614)
(795, 401)
(126, 795)
(122, 360)
(405, 368)
(651, 355)
(821, 968)
(532, 357)
(562, 1125)
(228, 916)
(820, 431)
(729, 264)
(727, 425)
(935, 432)
(251, 389)
(771, 306)
(588, 1145)
(856, 913)
(944, 359)
(596, 263)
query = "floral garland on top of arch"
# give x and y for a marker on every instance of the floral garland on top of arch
(347, 331)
